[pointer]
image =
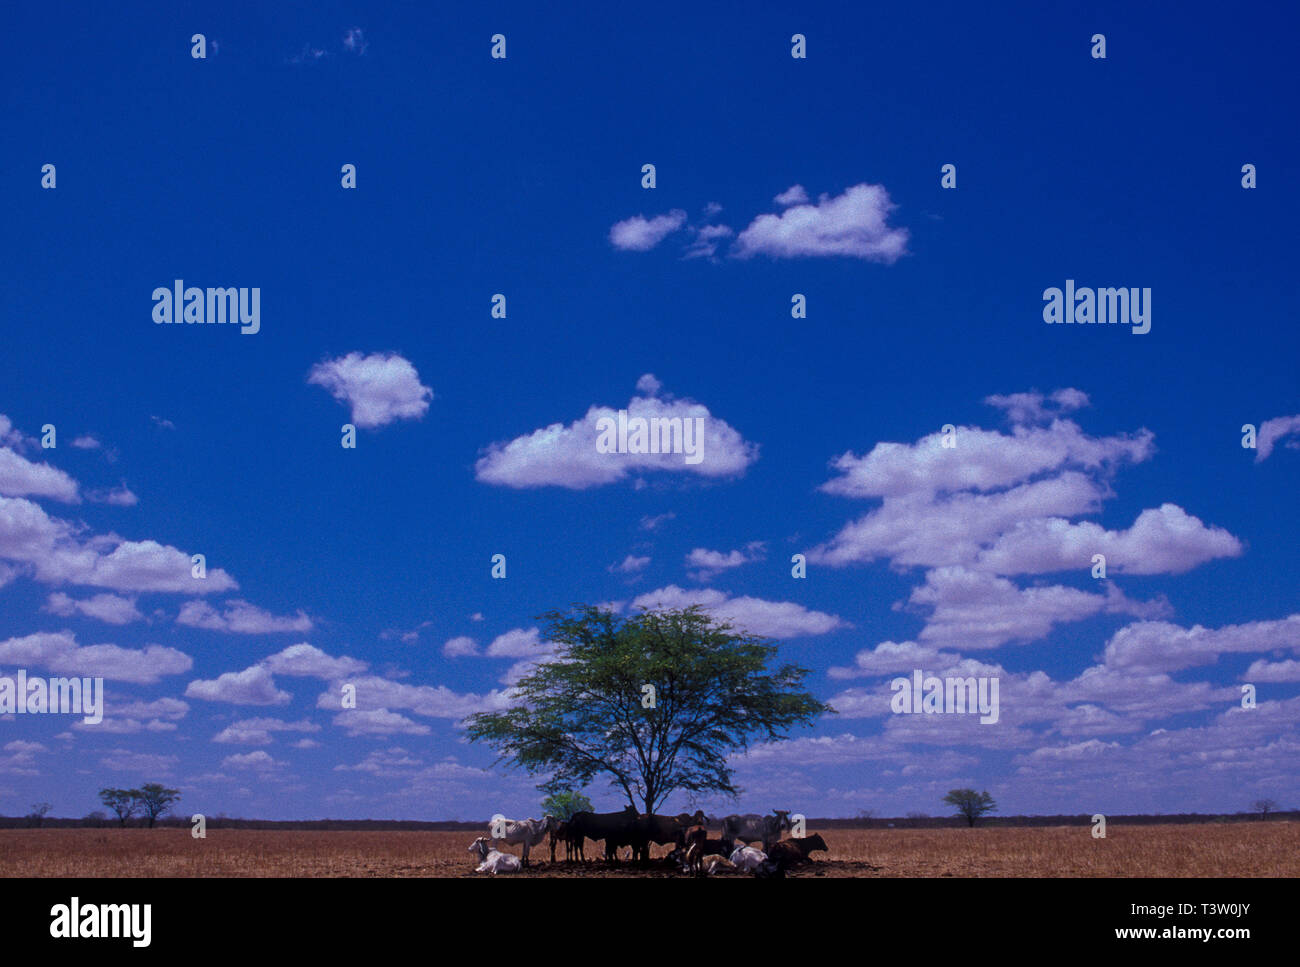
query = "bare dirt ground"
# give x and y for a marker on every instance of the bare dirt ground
(1237, 849)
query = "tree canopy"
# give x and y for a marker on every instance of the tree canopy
(563, 805)
(155, 799)
(970, 805)
(657, 701)
(1265, 806)
(121, 801)
(152, 799)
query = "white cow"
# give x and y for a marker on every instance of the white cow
(525, 832)
(746, 858)
(493, 861)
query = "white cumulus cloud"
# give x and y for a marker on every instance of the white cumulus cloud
(380, 388)
(854, 224)
(766, 619)
(566, 456)
(239, 617)
(640, 234)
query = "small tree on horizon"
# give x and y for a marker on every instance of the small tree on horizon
(1265, 806)
(123, 802)
(970, 805)
(562, 805)
(657, 701)
(37, 816)
(155, 799)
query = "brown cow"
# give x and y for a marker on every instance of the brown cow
(793, 851)
(696, 838)
(560, 834)
(651, 828)
(716, 863)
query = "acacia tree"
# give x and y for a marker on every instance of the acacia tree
(970, 805)
(155, 799)
(37, 816)
(121, 801)
(1265, 806)
(656, 701)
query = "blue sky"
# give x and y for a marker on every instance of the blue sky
(522, 176)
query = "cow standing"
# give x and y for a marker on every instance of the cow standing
(616, 829)
(696, 838)
(525, 832)
(651, 828)
(560, 834)
(752, 827)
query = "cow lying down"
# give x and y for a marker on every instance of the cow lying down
(781, 856)
(716, 863)
(746, 859)
(795, 850)
(491, 860)
(755, 861)
(710, 864)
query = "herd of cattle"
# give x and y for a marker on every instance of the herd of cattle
(694, 851)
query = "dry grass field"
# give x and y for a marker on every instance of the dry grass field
(1238, 849)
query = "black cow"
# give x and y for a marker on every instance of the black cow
(723, 846)
(616, 829)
